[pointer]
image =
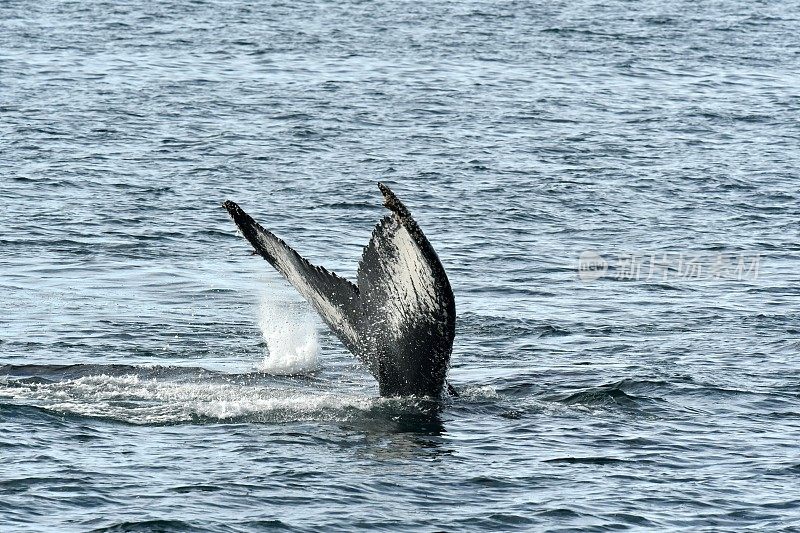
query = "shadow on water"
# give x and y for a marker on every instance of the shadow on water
(404, 415)
(401, 428)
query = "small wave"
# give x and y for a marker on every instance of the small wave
(475, 323)
(560, 512)
(586, 460)
(53, 373)
(356, 205)
(162, 526)
(186, 489)
(601, 396)
(14, 485)
(550, 330)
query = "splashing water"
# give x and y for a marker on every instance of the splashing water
(291, 338)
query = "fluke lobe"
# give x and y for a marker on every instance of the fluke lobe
(399, 319)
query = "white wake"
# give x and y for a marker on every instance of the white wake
(153, 401)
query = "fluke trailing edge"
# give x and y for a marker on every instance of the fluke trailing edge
(399, 319)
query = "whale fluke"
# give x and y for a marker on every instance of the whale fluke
(334, 298)
(400, 318)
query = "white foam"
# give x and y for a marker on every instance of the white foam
(483, 392)
(153, 401)
(291, 338)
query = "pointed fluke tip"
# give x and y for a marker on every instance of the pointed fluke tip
(232, 207)
(392, 202)
(236, 213)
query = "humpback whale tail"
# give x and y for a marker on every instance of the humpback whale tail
(399, 319)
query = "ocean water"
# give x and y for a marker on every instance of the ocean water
(612, 188)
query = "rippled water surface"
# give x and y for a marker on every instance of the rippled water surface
(656, 389)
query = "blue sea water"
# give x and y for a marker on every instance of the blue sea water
(611, 186)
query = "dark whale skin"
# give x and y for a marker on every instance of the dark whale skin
(399, 320)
